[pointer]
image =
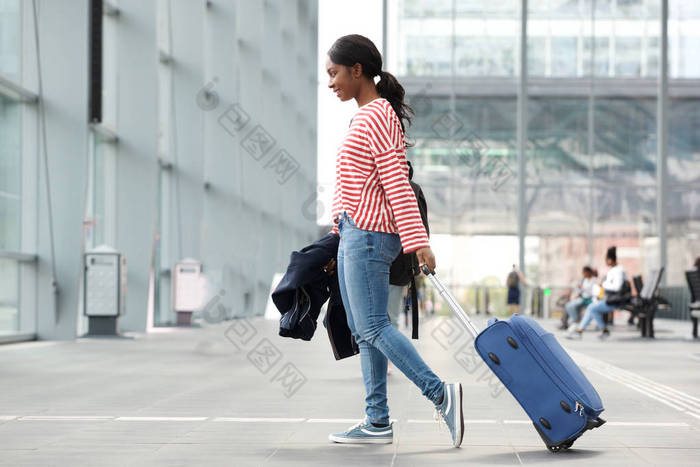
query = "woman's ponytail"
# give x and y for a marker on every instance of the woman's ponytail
(389, 88)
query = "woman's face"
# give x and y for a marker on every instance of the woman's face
(340, 80)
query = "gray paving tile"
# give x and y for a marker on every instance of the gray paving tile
(199, 373)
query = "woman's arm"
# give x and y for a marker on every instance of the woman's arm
(385, 138)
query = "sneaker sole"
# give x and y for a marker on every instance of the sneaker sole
(459, 420)
(337, 439)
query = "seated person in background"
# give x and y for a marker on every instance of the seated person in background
(614, 281)
(582, 296)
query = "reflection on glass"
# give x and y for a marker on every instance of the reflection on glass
(601, 56)
(557, 136)
(628, 56)
(684, 38)
(625, 140)
(564, 56)
(684, 141)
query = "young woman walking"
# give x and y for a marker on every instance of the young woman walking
(376, 214)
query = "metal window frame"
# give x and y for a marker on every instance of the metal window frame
(16, 92)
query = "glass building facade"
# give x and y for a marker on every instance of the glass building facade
(589, 177)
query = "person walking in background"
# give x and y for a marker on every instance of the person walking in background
(376, 214)
(515, 277)
(612, 285)
(582, 296)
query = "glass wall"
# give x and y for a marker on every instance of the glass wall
(10, 167)
(590, 178)
(683, 138)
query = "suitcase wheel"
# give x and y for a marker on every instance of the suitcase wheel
(561, 447)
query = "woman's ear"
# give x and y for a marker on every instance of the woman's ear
(356, 70)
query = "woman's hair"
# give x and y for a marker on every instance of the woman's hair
(588, 269)
(354, 48)
(612, 254)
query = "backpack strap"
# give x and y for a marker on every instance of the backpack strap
(414, 306)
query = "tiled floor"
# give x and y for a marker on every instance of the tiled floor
(235, 393)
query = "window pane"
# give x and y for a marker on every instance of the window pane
(9, 38)
(684, 141)
(558, 141)
(601, 56)
(429, 56)
(10, 174)
(684, 38)
(628, 55)
(485, 56)
(625, 140)
(9, 316)
(564, 56)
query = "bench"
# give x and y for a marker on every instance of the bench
(635, 301)
(693, 279)
(647, 302)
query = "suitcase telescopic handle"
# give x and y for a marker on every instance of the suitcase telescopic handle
(461, 314)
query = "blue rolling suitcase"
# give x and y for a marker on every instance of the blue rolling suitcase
(534, 367)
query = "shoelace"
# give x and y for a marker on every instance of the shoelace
(361, 422)
(437, 416)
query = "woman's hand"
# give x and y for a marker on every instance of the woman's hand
(425, 256)
(330, 267)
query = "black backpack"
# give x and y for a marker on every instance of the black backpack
(404, 269)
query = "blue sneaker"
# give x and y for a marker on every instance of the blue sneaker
(364, 433)
(451, 411)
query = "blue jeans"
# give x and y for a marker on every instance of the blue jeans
(364, 260)
(596, 310)
(572, 307)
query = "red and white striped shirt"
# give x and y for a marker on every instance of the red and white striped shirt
(371, 177)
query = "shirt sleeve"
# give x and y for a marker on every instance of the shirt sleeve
(614, 279)
(385, 139)
(334, 230)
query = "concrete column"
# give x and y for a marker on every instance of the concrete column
(62, 28)
(136, 174)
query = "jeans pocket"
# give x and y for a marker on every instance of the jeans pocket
(358, 243)
(391, 246)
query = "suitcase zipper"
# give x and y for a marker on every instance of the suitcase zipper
(579, 408)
